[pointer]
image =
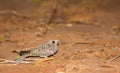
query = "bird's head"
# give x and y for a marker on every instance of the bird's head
(54, 42)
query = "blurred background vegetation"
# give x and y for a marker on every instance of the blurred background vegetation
(26, 4)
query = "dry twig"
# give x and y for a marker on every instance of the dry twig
(14, 13)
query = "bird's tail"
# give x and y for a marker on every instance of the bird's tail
(21, 52)
(14, 51)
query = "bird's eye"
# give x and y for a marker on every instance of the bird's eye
(53, 41)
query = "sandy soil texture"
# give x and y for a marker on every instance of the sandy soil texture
(89, 35)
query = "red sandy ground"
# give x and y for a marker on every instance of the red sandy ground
(84, 48)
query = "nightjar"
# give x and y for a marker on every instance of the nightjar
(43, 50)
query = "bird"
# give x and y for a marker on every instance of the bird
(44, 50)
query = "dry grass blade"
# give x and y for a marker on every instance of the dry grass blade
(3, 61)
(113, 58)
(44, 60)
(54, 10)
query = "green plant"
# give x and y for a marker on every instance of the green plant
(1, 39)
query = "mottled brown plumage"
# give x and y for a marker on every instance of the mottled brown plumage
(43, 50)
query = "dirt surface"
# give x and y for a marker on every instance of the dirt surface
(88, 37)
